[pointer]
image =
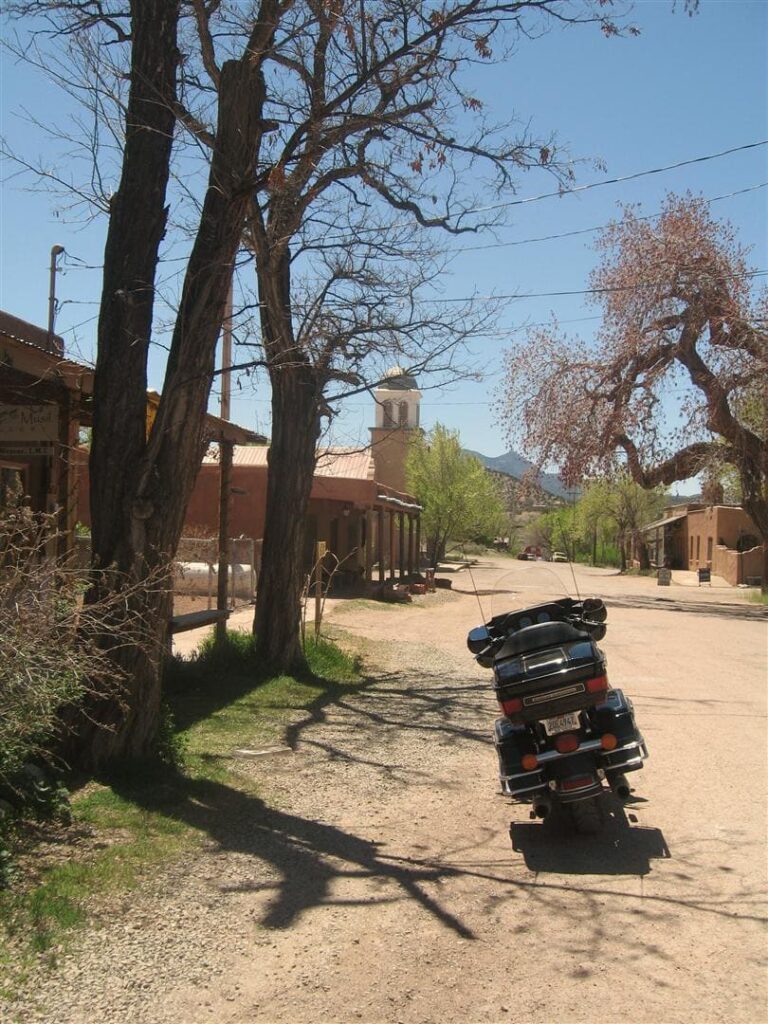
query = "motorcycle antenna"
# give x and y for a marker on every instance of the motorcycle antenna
(474, 585)
(570, 550)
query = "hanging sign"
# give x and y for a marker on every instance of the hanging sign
(28, 423)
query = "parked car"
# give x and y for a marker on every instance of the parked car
(524, 556)
(559, 556)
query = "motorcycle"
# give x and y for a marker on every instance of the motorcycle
(566, 738)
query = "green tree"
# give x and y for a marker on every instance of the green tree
(461, 500)
(623, 507)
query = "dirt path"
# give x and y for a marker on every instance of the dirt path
(394, 885)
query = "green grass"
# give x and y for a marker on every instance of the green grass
(758, 597)
(358, 604)
(220, 700)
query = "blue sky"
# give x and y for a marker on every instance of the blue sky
(687, 87)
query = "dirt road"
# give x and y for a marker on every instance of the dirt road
(394, 885)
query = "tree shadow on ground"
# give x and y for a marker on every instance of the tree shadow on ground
(307, 856)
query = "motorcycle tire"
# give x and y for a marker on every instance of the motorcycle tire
(587, 816)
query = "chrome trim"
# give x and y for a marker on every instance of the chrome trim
(529, 789)
(542, 698)
(521, 775)
(584, 748)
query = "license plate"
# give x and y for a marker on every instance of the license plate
(562, 723)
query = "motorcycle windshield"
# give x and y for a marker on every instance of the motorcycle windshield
(505, 585)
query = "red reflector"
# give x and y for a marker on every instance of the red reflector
(567, 742)
(578, 782)
(529, 762)
(510, 707)
(597, 684)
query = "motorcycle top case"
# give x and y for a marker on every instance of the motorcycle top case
(546, 670)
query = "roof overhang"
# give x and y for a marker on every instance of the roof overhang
(664, 522)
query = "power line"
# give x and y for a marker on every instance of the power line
(588, 231)
(584, 291)
(619, 179)
(583, 188)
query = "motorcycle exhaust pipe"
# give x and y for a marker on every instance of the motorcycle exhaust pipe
(542, 806)
(620, 787)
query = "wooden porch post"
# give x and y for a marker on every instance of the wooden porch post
(410, 544)
(380, 546)
(69, 429)
(226, 450)
(417, 546)
(391, 545)
(369, 527)
(401, 528)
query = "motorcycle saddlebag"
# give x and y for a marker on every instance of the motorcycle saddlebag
(616, 716)
(547, 670)
(511, 742)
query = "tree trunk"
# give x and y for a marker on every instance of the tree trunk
(296, 428)
(142, 489)
(642, 552)
(136, 228)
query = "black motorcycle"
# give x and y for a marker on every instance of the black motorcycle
(565, 731)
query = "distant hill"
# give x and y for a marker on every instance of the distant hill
(516, 466)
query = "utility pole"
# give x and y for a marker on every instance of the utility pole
(226, 357)
(225, 471)
(56, 251)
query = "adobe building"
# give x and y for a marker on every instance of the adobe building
(694, 536)
(358, 503)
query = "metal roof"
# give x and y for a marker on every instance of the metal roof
(337, 463)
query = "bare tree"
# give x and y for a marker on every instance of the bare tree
(376, 132)
(370, 128)
(680, 317)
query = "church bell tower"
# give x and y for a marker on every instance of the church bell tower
(397, 418)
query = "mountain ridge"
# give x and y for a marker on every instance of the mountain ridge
(516, 466)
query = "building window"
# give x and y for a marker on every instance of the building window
(389, 416)
(709, 549)
(403, 414)
(691, 548)
(698, 548)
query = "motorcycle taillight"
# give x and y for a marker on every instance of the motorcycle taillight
(512, 706)
(577, 782)
(597, 685)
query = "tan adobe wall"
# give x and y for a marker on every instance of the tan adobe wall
(390, 448)
(737, 568)
(713, 536)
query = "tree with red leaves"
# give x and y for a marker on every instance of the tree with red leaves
(676, 380)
